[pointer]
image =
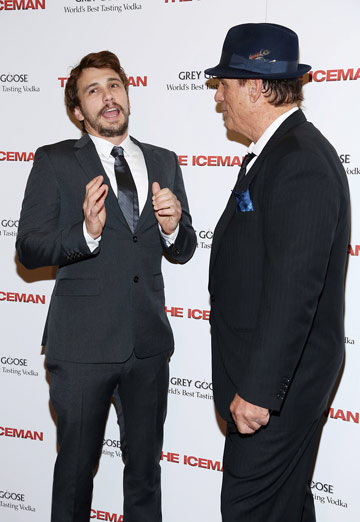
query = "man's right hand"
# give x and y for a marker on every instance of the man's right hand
(247, 416)
(94, 206)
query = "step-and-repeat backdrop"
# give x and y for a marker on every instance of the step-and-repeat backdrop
(164, 46)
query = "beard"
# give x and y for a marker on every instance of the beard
(114, 128)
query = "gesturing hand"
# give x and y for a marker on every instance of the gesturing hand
(248, 417)
(94, 206)
(167, 208)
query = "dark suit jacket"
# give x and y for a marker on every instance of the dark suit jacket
(110, 302)
(277, 277)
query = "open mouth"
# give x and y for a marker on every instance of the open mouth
(111, 113)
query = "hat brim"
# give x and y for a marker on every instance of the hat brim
(231, 72)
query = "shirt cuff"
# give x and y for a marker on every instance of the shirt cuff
(91, 242)
(169, 238)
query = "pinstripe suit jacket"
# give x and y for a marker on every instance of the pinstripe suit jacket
(277, 277)
(109, 302)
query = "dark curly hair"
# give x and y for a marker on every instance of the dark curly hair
(100, 60)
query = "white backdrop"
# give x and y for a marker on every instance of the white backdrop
(164, 45)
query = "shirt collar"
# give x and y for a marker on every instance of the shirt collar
(104, 146)
(257, 147)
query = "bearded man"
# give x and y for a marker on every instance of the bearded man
(105, 208)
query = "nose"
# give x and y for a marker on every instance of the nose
(219, 95)
(108, 95)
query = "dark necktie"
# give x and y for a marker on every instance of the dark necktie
(247, 158)
(127, 194)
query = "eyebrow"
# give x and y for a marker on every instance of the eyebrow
(97, 83)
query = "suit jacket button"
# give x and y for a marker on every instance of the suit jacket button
(135, 239)
(212, 298)
(136, 279)
(176, 251)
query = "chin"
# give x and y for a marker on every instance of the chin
(113, 132)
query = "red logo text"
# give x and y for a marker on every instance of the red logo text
(347, 416)
(105, 515)
(334, 75)
(21, 434)
(190, 460)
(16, 156)
(15, 297)
(134, 81)
(354, 250)
(190, 313)
(21, 5)
(210, 161)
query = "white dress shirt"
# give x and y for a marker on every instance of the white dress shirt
(257, 147)
(136, 161)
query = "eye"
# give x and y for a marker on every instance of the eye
(92, 91)
(114, 85)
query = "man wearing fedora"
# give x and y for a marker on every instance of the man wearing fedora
(276, 281)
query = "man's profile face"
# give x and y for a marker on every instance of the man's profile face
(235, 104)
(104, 103)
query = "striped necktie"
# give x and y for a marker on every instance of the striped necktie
(127, 193)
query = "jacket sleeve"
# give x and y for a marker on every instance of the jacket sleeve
(185, 243)
(41, 240)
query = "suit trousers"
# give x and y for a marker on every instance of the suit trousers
(81, 395)
(266, 475)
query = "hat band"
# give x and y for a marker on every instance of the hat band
(260, 66)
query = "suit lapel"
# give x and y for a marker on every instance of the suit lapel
(295, 119)
(221, 227)
(91, 166)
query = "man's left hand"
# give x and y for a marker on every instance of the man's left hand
(167, 208)
(248, 417)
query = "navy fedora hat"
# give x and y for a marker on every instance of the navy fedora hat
(267, 51)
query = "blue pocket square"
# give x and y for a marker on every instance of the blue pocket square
(243, 200)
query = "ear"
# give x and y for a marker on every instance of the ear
(255, 89)
(78, 114)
